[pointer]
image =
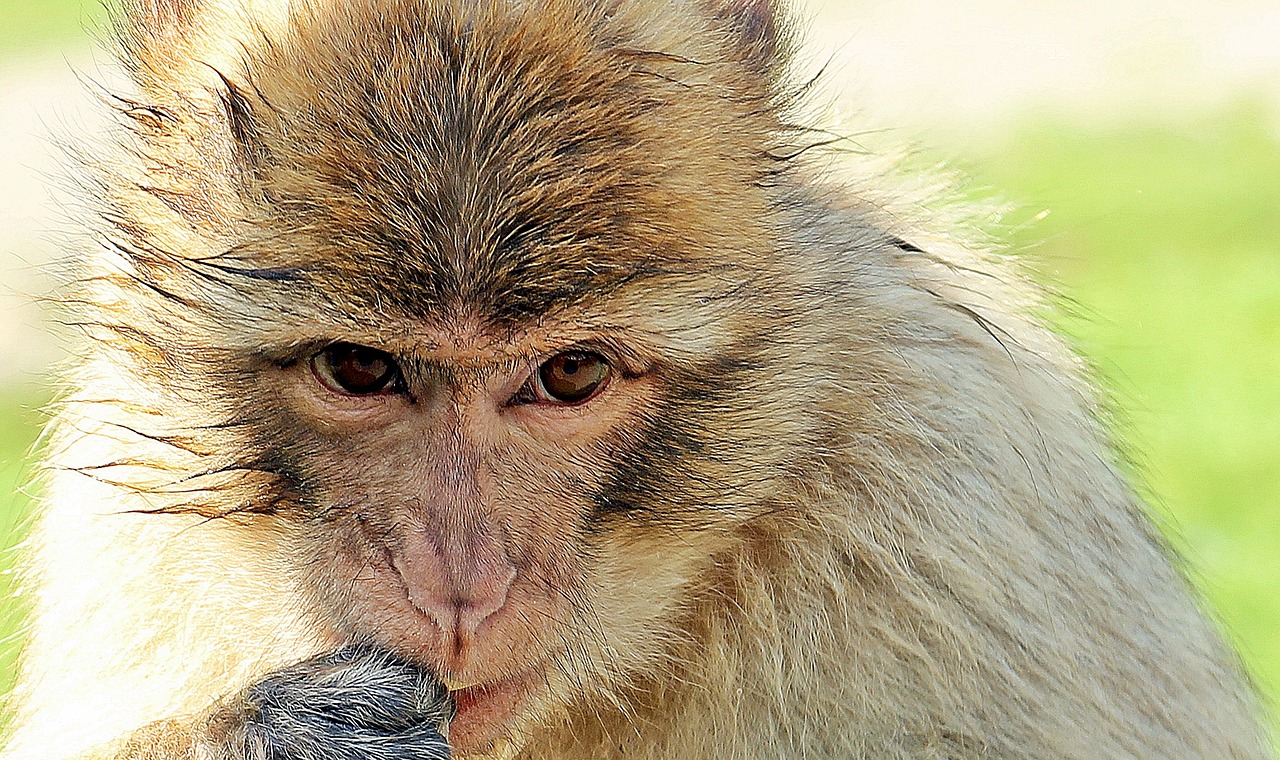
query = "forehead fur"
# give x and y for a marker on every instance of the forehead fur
(504, 159)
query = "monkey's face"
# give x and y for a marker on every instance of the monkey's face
(520, 514)
(454, 485)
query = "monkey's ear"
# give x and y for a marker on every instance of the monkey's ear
(758, 31)
(194, 103)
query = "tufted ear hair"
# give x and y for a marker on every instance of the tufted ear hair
(151, 18)
(194, 118)
(758, 31)
(176, 44)
(153, 34)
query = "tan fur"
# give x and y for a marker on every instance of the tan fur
(903, 536)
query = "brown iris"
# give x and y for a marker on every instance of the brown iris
(355, 370)
(572, 377)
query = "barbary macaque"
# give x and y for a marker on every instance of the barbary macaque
(510, 378)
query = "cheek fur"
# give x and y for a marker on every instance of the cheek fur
(699, 456)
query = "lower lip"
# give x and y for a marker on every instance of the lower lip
(483, 713)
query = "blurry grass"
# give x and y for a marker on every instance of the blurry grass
(20, 423)
(1166, 242)
(33, 25)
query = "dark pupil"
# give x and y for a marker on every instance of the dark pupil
(573, 377)
(359, 369)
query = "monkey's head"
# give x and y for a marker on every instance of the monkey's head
(477, 313)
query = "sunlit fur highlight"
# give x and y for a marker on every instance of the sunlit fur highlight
(873, 514)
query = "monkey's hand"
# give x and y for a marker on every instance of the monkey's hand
(353, 704)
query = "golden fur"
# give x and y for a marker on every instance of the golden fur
(862, 508)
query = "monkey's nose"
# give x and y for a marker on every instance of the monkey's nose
(457, 584)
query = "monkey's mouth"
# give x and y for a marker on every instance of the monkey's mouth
(484, 712)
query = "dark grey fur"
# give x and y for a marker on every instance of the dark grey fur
(353, 704)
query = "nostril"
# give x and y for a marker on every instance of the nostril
(457, 591)
(486, 597)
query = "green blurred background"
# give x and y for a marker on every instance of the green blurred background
(1137, 146)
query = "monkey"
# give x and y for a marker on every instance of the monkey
(518, 379)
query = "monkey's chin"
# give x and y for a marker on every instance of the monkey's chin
(484, 714)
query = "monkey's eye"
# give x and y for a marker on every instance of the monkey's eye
(355, 370)
(567, 378)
